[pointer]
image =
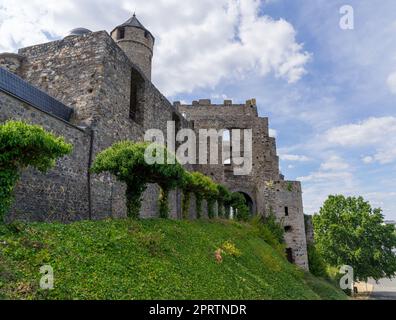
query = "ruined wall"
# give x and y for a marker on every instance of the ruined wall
(237, 116)
(229, 116)
(265, 185)
(62, 193)
(284, 199)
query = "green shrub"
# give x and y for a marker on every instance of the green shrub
(271, 231)
(23, 145)
(126, 160)
(275, 227)
(317, 266)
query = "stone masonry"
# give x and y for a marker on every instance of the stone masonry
(106, 81)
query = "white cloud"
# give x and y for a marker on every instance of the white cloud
(376, 133)
(294, 157)
(391, 82)
(368, 159)
(198, 43)
(334, 163)
(334, 176)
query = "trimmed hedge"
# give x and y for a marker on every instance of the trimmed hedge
(23, 145)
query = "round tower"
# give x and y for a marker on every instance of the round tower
(137, 42)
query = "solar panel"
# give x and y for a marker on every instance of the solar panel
(14, 85)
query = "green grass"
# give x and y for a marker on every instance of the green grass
(150, 259)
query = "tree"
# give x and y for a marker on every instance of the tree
(127, 162)
(23, 145)
(349, 232)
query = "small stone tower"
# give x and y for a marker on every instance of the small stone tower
(137, 42)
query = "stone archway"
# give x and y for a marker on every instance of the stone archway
(249, 201)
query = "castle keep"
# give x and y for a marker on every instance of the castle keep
(95, 89)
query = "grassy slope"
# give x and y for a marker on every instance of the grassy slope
(152, 259)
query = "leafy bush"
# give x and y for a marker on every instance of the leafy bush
(23, 145)
(275, 227)
(317, 266)
(126, 160)
(271, 231)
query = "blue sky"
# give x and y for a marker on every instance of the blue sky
(329, 93)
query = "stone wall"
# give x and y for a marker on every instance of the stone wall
(11, 61)
(62, 193)
(284, 199)
(93, 75)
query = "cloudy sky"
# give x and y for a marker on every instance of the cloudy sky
(330, 93)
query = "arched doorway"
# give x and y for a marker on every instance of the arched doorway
(249, 202)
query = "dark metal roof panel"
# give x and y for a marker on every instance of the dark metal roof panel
(14, 85)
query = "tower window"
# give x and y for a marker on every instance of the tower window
(121, 33)
(286, 211)
(288, 228)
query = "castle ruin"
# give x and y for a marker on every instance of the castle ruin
(95, 89)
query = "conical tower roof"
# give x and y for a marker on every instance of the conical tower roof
(134, 22)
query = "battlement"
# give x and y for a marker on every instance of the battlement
(208, 103)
